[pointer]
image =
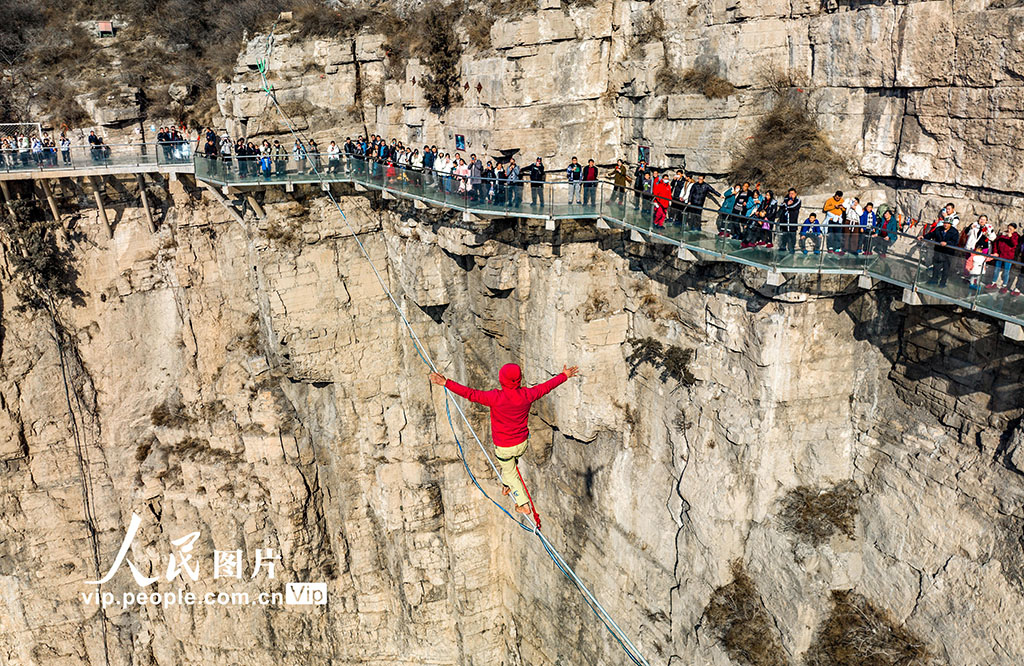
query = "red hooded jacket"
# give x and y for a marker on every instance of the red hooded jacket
(1006, 245)
(510, 405)
(662, 192)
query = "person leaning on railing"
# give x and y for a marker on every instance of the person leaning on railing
(851, 227)
(810, 234)
(1005, 249)
(621, 180)
(661, 192)
(865, 230)
(946, 238)
(537, 178)
(574, 176)
(789, 220)
(65, 148)
(699, 193)
(675, 210)
(739, 209)
(885, 233)
(590, 184)
(334, 157)
(834, 209)
(1016, 285)
(515, 183)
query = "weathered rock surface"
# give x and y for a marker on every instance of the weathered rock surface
(253, 382)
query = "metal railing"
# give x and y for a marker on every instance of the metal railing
(950, 274)
(94, 157)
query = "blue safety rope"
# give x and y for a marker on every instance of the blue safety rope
(599, 611)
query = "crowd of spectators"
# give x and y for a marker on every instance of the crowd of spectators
(748, 215)
(174, 143)
(22, 151)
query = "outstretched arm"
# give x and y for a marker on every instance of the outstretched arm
(540, 390)
(473, 395)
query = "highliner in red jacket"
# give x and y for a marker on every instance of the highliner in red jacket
(510, 411)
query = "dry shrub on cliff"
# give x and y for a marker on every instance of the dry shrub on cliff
(512, 9)
(60, 105)
(284, 233)
(440, 52)
(41, 263)
(315, 19)
(738, 619)
(776, 79)
(477, 25)
(673, 361)
(814, 514)
(42, 41)
(700, 79)
(858, 634)
(195, 449)
(171, 413)
(787, 149)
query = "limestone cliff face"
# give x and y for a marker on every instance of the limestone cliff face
(253, 382)
(921, 98)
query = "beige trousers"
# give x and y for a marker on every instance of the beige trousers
(508, 458)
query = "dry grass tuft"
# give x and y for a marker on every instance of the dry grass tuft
(787, 149)
(513, 9)
(284, 233)
(702, 79)
(315, 19)
(814, 515)
(199, 450)
(673, 361)
(171, 414)
(858, 634)
(740, 622)
(477, 26)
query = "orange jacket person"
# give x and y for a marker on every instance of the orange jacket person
(510, 410)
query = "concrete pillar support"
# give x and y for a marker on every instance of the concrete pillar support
(145, 202)
(685, 254)
(911, 297)
(50, 199)
(212, 189)
(256, 207)
(6, 191)
(97, 193)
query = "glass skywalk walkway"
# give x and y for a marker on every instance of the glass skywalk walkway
(907, 261)
(79, 160)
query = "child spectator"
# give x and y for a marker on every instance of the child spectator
(865, 230)
(885, 233)
(810, 234)
(976, 263)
